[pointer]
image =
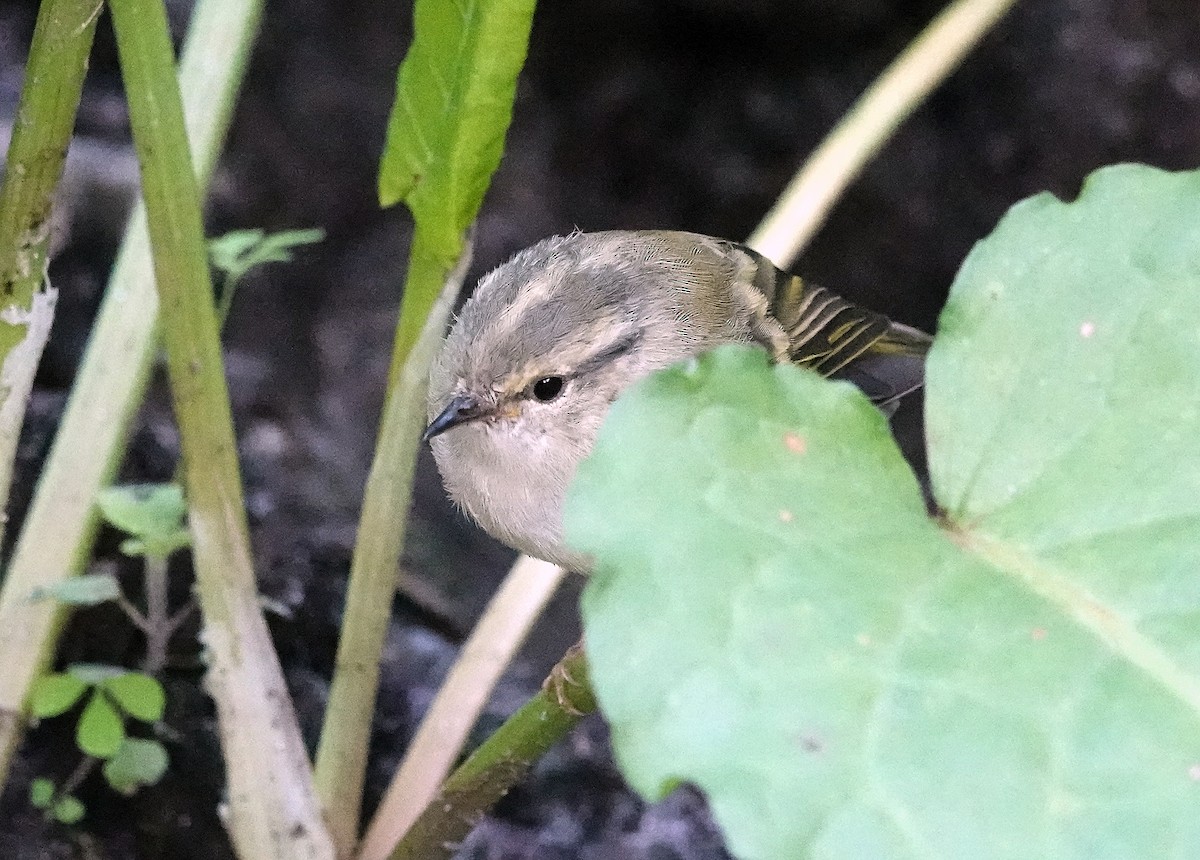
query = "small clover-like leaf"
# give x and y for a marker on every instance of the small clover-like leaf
(69, 810)
(55, 694)
(138, 695)
(85, 590)
(41, 793)
(100, 730)
(137, 763)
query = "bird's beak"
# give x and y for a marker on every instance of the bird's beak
(460, 410)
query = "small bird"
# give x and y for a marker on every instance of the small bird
(552, 337)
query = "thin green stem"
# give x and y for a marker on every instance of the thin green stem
(181, 615)
(459, 701)
(59, 527)
(413, 313)
(158, 620)
(82, 771)
(863, 131)
(374, 571)
(501, 762)
(131, 612)
(273, 812)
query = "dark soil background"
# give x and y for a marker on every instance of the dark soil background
(689, 114)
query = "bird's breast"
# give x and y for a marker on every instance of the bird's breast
(511, 481)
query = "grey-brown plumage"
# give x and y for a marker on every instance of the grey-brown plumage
(553, 336)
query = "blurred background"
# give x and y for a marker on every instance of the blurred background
(689, 114)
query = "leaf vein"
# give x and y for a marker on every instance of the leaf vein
(1087, 611)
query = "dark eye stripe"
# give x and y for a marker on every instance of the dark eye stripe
(614, 350)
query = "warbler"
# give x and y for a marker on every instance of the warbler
(552, 337)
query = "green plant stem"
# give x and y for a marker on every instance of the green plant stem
(131, 612)
(82, 771)
(501, 762)
(862, 132)
(414, 311)
(273, 810)
(456, 708)
(374, 571)
(50, 96)
(54, 73)
(60, 525)
(158, 614)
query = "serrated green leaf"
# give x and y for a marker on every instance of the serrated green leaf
(278, 247)
(95, 673)
(85, 590)
(136, 764)
(55, 694)
(226, 250)
(69, 810)
(138, 695)
(774, 617)
(41, 792)
(143, 510)
(454, 95)
(238, 251)
(100, 730)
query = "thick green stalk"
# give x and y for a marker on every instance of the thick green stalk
(501, 762)
(41, 133)
(374, 571)
(273, 810)
(57, 536)
(50, 96)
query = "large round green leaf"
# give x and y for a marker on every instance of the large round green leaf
(137, 762)
(775, 618)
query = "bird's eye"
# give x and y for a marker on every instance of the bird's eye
(548, 387)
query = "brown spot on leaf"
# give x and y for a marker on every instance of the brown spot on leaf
(786, 516)
(795, 443)
(1038, 634)
(1087, 329)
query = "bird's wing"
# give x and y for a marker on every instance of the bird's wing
(840, 339)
